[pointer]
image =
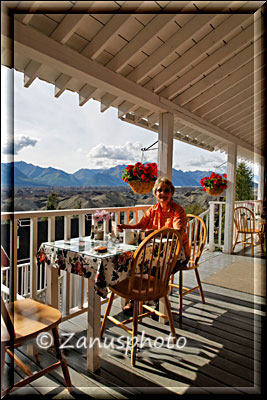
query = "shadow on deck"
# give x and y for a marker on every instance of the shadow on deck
(222, 354)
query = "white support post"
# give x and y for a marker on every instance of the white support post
(260, 195)
(165, 145)
(230, 198)
(93, 328)
(165, 150)
(33, 261)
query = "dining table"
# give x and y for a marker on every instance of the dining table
(81, 256)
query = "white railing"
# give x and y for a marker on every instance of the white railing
(37, 282)
(205, 215)
(216, 219)
(254, 205)
(29, 280)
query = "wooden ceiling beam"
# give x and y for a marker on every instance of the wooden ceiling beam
(140, 113)
(153, 118)
(67, 27)
(140, 40)
(228, 98)
(107, 33)
(219, 74)
(31, 72)
(170, 46)
(124, 108)
(196, 51)
(86, 93)
(203, 68)
(237, 113)
(43, 49)
(61, 84)
(106, 101)
(215, 92)
(33, 7)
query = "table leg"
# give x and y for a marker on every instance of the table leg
(93, 328)
(52, 287)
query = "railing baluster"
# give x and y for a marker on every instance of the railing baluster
(52, 293)
(220, 225)
(33, 263)
(13, 276)
(211, 229)
(67, 298)
(81, 225)
(29, 274)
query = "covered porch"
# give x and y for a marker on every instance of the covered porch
(222, 354)
(188, 75)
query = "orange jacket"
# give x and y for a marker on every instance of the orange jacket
(174, 217)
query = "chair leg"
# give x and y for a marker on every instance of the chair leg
(261, 241)
(200, 286)
(60, 357)
(181, 293)
(3, 353)
(169, 313)
(104, 322)
(171, 281)
(134, 332)
(236, 237)
(244, 241)
(252, 245)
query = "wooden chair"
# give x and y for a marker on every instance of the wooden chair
(244, 220)
(23, 320)
(150, 271)
(197, 233)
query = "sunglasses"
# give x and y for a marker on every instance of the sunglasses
(163, 190)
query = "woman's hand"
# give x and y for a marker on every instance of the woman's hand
(120, 227)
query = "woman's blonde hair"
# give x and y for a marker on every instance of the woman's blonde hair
(164, 180)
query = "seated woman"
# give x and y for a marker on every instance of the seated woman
(166, 213)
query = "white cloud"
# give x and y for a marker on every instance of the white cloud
(103, 155)
(15, 146)
(202, 162)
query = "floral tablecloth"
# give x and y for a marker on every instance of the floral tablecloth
(79, 257)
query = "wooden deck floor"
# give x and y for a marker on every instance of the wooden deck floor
(222, 354)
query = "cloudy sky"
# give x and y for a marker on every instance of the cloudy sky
(57, 132)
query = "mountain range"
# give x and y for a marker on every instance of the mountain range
(22, 174)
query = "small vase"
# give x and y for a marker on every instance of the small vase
(99, 234)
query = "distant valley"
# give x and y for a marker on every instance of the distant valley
(21, 174)
(31, 199)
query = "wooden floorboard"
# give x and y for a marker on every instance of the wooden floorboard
(222, 353)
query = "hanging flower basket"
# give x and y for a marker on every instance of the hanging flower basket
(215, 184)
(140, 177)
(141, 187)
(214, 192)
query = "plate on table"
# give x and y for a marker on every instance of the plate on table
(101, 249)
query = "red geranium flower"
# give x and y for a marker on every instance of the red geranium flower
(140, 172)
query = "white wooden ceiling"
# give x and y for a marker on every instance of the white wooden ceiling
(203, 61)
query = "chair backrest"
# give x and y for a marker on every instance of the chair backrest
(7, 320)
(244, 219)
(153, 263)
(197, 233)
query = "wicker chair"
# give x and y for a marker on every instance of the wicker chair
(151, 267)
(245, 223)
(197, 233)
